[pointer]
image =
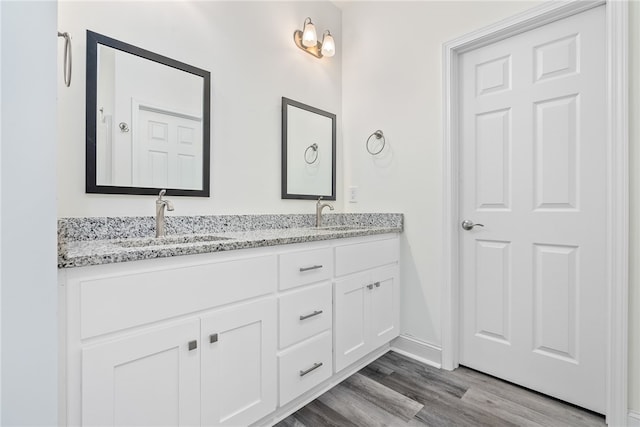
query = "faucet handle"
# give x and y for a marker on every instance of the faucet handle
(164, 202)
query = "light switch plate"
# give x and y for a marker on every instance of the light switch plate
(353, 194)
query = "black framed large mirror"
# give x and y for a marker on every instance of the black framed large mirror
(148, 122)
(308, 152)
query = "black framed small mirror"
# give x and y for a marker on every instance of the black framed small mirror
(147, 122)
(308, 152)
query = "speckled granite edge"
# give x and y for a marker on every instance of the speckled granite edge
(102, 228)
(94, 241)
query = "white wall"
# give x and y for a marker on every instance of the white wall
(634, 152)
(0, 218)
(29, 337)
(392, 80)
(249, 49)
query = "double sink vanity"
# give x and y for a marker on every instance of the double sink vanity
(257, 316)
(217, 320)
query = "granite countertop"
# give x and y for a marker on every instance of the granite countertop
(94, 241)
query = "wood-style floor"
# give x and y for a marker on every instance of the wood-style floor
(398, 391)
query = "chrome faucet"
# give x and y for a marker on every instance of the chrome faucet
(160, 205)
(319, 207)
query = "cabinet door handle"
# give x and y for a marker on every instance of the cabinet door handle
(377, 284)
(213, 338)
(370, 286)
(193, 345)
(315, 313)
(313, 267)
(313, 368)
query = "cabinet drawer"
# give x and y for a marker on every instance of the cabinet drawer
(137, 297)
(304, 313)
(304, 366)
(301, 268)
(363, 256)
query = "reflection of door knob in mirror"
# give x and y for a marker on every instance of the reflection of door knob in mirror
(468, 225)
(124, 127)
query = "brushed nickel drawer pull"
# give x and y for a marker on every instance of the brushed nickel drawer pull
(377, 284)
(313, 368)
(315, 313)
(193, 345)
(213, 338)
(313, 267)
(370, 286)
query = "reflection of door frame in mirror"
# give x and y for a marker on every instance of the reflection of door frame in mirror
(286, 102)
(92, 186)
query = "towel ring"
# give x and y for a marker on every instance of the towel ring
(67, 58)
(379, 135)
(313, 147)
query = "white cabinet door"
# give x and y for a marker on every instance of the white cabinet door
(385, 306)
(149, 379)
(239, 364)
(367, 313)
(351, 310)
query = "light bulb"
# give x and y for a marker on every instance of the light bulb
(328, 45)
(309, 36)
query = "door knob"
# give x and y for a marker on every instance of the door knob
(468, 225)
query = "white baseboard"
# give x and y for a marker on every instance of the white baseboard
(418, 350)
(634, 419)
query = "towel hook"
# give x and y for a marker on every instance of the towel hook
(379, 135)
(313, 147)
(67, 58)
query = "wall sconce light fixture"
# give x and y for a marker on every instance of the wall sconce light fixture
(307, 40)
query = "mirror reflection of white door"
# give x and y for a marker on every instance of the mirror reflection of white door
(167, 148)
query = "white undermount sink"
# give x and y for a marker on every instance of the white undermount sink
(170, 240)
(342, 228)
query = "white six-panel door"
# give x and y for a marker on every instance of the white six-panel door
(533, 159)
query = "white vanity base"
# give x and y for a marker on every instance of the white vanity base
(236, 338)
